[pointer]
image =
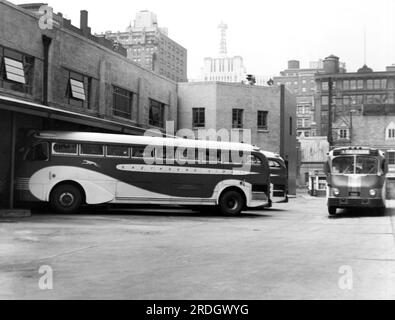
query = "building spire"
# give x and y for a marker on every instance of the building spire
(222, 49)
(364, 45)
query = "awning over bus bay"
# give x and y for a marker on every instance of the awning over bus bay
(40, 110)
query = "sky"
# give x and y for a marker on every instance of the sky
(265, 33)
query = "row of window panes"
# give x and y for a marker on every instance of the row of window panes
(118, 151)
(371, 84)
(359, 99)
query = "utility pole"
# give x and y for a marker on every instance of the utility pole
(330, 89)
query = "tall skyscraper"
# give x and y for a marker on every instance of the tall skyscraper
(223, 67)
(150, 46)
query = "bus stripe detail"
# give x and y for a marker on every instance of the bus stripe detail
(180, 170)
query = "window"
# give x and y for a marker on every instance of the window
(91, 149)
(346, 84)
(324, 100)
(324, 86)
(343, 133)
(156, 113)
(391, 157)
(198, 117)
(390, 132)
(237, 118)
(359, 84)
(353, 84)
(78, 89)
(262, 120)
(122, 103)
(138, 152)
(16, 70)
(369, 84)
(117, 151)
(64, 148)
(39, 152)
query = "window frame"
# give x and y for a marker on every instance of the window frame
(114, 156)
(126, 94)
(53, 152)
(91, 155)
(238, 119)
(156, 104)
(263, 116)
(197, 113)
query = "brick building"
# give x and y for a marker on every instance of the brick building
(267, 112)
(64, 78)
(151, 47)
(363, 105)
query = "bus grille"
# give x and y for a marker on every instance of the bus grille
(22, 184)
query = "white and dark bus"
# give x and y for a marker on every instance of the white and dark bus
(71, 169)
(356, 178)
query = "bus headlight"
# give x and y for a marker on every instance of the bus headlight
(372, 192)
(336, 191)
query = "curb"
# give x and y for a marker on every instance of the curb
(15, 213)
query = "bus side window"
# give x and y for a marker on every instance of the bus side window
(39, 152)
(91, 149)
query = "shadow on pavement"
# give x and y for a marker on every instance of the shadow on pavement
(361, 213)
(156, 211)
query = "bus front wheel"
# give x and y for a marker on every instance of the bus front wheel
(66, 198)
(332, 211)
(231, 203)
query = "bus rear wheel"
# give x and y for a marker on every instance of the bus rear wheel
(332, 211)
(231, 203)
(66, 198)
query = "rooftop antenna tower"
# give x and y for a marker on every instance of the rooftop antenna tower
(222, 48)
(364, 45)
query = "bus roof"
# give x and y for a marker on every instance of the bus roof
(96, 137)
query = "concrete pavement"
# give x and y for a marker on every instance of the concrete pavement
(292, 251)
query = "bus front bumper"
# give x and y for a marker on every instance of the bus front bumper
(350, 202)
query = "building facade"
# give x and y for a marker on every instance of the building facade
(64, 78)
(301, 82)
(264, 115)
(362, 105)
(151, 47)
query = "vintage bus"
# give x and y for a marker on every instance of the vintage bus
(356, 178)
(70, 169)
(278, 177)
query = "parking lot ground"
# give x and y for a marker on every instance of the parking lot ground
(291, 251)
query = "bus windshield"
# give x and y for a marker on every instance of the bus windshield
(354, 165)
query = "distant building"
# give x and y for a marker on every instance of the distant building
(268, 113)
(363, 106)
(150, 46)
(223, 67)
(302, 83)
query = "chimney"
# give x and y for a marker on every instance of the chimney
(84, 23)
